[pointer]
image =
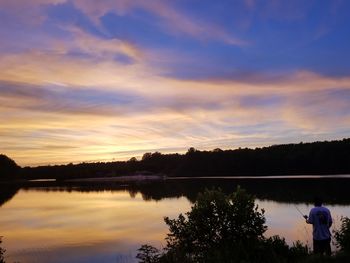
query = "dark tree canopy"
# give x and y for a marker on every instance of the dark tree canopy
(216, 222)
(8, 167)
(287, 159)
(342, 235)
(222, 228)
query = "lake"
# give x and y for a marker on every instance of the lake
(109, 221)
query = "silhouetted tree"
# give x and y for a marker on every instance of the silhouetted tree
(222, 228)
(133, 159)
(147, 254)
(217, 223)
(191, 150)
(146, 156)
(8, 168)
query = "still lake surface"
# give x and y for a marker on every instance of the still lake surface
(108, 222)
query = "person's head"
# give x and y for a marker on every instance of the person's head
(318, 201)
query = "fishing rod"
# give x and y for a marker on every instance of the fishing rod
(306, 233)
(304, 216)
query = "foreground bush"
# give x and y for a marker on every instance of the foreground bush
(2, 252)
(222, 228)
(342, 236)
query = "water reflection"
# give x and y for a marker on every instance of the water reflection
(295, 190)
(85, 226)
(7, 192)
(85, 222)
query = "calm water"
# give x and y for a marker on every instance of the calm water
(107, 223)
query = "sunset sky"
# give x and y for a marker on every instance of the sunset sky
(88, 80)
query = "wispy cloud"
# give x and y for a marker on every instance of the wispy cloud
(175, 21)
(92, 121)
(99, 47)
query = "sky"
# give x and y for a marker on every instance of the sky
(85, 80)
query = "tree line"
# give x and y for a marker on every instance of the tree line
(328, 157)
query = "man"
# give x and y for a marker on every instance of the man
(321, 220)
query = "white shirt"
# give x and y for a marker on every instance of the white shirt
(321, 220)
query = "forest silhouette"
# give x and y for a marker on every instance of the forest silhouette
(317, 158)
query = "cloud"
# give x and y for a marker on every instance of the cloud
(47, 70)
(104, 108)
(75, 96)
(175, 21)
(63, 100)
(321, 111)
(37, 67)
(96, 46)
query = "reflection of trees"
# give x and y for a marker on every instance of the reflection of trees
(281, 190)
(7, 192)
(2, 252)
(334, 191)
(132, 193)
